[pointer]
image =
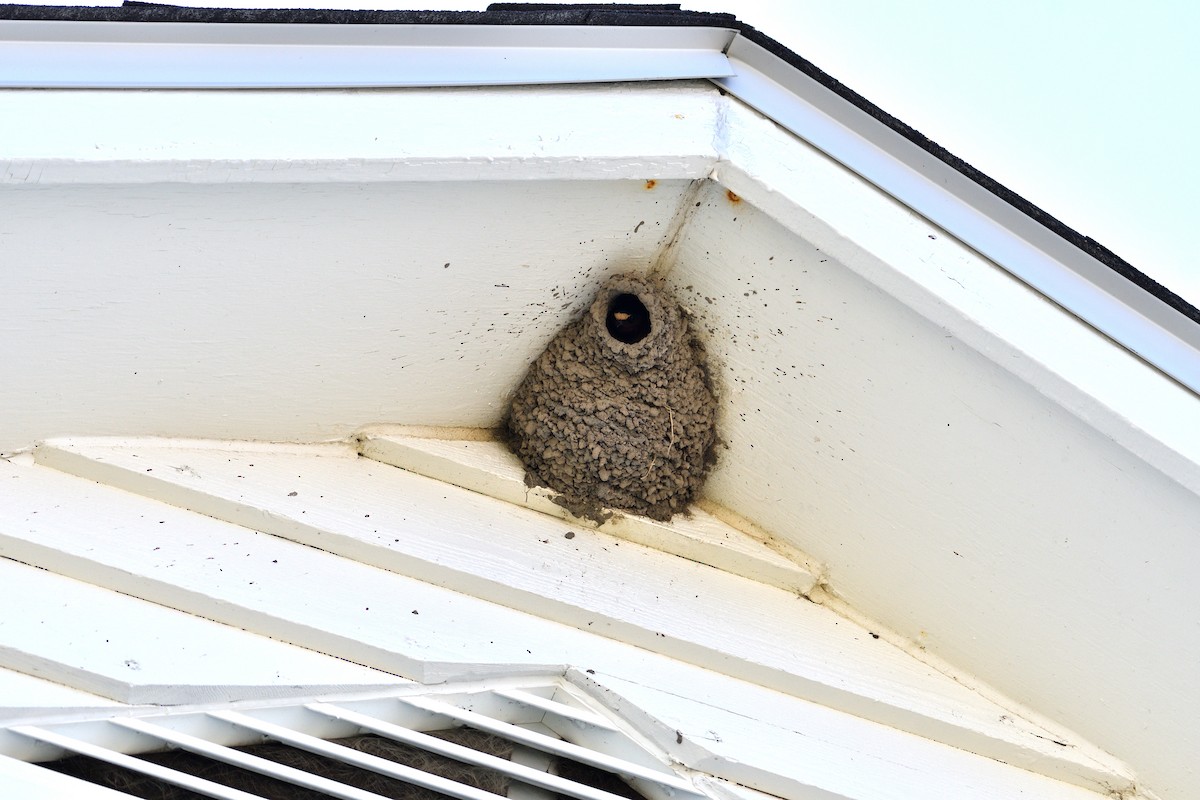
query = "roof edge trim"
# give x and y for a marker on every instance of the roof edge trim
(1075, 272)
(195, 55)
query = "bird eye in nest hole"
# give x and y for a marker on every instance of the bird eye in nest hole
(628, 320)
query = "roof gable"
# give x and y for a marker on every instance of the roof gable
(896, 403)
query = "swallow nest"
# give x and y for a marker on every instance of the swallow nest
(618, 411)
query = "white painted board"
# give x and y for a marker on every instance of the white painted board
(819, 745)
(952, 501)
(341, 304)
(136, 652)
(24, 696)
(363, 136)
(488, 467)
(372, 513)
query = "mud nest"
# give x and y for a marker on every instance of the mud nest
(618, 411)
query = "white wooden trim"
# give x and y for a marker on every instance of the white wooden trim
(119, 647)
(489, 468)
(556, 708)
(265, 584)
(363, 137)
(735, 738)
(428, 530)
(972, 298)
(242, 578)
(1038, 495)
(1070, 277)
(727, 790)
(24, 696)
(64, 54)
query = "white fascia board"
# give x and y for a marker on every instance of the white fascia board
(660, 130)
(141, 55)
(1019, 244)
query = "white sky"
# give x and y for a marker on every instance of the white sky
(1087, 108)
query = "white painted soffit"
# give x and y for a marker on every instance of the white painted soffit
(58, 54)
(174, 55)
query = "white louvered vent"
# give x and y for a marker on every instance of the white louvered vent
(533, 741)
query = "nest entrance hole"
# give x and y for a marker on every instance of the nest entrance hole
(628, 319)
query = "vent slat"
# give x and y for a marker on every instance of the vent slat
(509, 744)
(555, 707)
(237, 758)
(365, 760)
(433, 744)
(557, 746)
(148, 768)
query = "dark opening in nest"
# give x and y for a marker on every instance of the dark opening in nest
(628, 319)
(617, 412)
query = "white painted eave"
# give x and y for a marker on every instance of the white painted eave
(64, 54)
(143, 55)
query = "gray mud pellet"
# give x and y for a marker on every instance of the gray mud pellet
(617, 412)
